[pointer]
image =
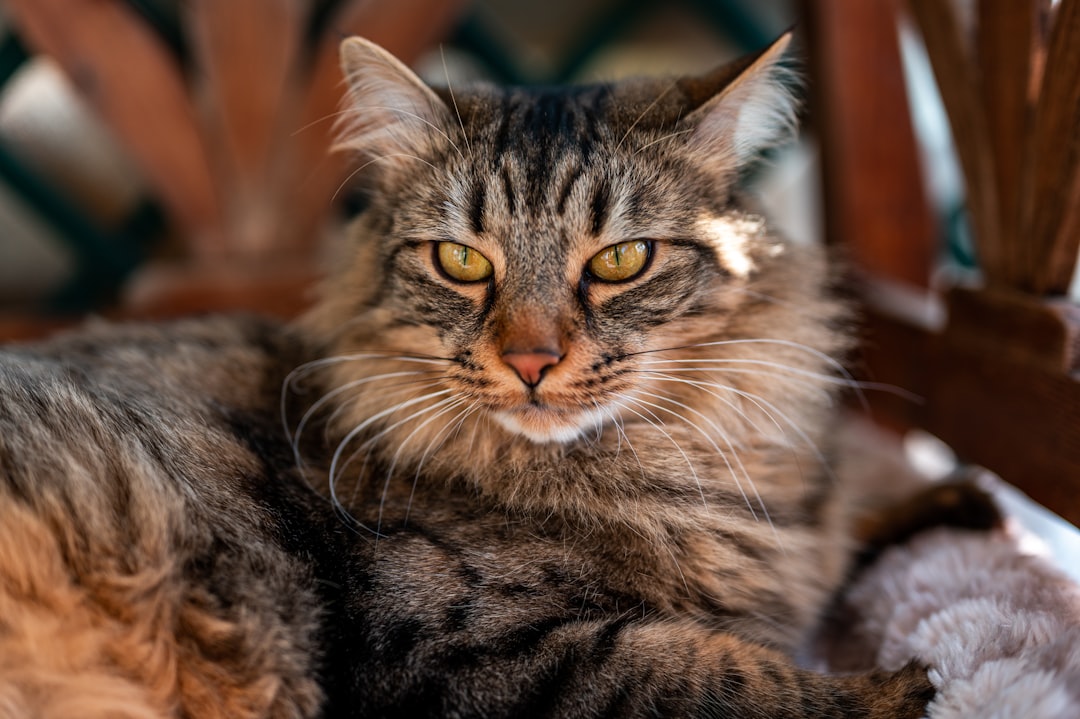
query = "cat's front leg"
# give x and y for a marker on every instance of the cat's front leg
(719, 676)
(569, 668)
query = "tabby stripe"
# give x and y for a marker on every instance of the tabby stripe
(476, 207)
(622, 702)
(568, 121)
(549, 688)
(525, 640)
(564, 193)
(744, 544)
(590, 135)
(473, 381)
(600, 207)
(508, 189)
(733, 683)
(400, 638)
(502, 135)
(810, 700)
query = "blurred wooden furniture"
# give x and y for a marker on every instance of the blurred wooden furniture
(1000, 374)
(228, 113)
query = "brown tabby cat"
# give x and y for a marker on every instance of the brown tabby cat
(555, 443)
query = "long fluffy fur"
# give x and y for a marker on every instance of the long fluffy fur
(124, 544)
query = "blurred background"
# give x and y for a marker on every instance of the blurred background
(168, 157)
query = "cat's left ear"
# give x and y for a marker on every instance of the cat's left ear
(752, 111)
(391, 115)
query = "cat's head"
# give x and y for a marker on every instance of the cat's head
(556, 260)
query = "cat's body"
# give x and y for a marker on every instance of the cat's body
(556, 444)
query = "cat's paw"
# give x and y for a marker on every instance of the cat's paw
(902, 694)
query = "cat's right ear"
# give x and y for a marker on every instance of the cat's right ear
(391, 116)
(753, 109)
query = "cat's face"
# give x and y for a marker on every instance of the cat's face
(545, 259)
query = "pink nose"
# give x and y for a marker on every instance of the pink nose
(530, 366)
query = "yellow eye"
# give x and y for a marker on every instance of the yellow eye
(462, 263)
(621, 261)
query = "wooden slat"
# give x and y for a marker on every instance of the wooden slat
(298, 178)
(1023, 428)
(1017, 328)
(25, 328)
(1055, 178)
(1008, 34)
(958, 82)
(875, 203)
(128, 76)
(1007, 411)
(281, 289)
(245, 55)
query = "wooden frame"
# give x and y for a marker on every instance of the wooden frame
(236, 143)
(1000, 378)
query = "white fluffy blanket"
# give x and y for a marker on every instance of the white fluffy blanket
(998, 626)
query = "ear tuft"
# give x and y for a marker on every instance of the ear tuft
(754, 111)
(389, 114)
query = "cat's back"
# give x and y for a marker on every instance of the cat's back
(130, 479)
(162, 407)
(220, 358)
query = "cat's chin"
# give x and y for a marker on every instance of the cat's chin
(545, 427)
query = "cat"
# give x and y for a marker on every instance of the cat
(553, 442)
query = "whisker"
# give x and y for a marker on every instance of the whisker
(701, 384)
(335, 474)
(381, 394)
(451, 403)
(370, 378)
(374, 439)
(644, 112)
(733, 469)
(437, 442)
(615, 421)
(622, 436)
(846, 378)
(453, 101)
(324, 118)
(734, 452)
(656, 425)
(309, 367)
(370, 441)
(769, 409)
(816, 353)
(363, 167)
(604, 415)
(362, 110)
(661, 139)
(355, 431)
(291, 383)
(797, 381)
(753, 361)
(294, 438)
(783, 370)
